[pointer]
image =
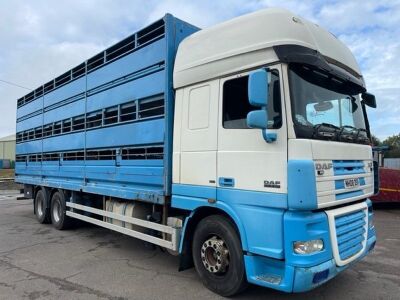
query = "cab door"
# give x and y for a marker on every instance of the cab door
(245, 161)
(198, 144)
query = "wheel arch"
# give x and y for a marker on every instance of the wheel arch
(191, 223)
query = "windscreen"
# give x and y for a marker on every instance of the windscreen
(325, 107)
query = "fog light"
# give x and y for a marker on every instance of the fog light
(320, 276)
(307, 247)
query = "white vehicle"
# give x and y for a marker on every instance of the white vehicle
(255, 166)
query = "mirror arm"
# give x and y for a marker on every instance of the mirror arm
(269, 137)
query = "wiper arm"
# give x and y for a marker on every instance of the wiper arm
(326, 131)
(352, 134)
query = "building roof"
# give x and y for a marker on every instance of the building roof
(8, 138)
(247, 41)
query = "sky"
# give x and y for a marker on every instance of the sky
(40, 40)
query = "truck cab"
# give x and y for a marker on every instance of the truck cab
(271, 131)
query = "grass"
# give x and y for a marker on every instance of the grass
(6, 173)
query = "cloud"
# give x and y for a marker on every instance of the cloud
(41, 39)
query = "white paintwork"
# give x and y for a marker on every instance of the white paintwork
(246, 42)
(332, 229)
(205, 151)
(176, 151)
(325, 152)
(244, 155)
(198, 134)
(241, 154)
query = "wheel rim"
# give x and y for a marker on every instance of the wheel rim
(215, 255)
(56, 211)
(40, 207)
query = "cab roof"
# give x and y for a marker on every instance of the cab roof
(247, 41)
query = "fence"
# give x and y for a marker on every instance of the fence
(392, 163)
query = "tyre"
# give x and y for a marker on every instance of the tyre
(58, 210)
(218, 256)
(41, 209)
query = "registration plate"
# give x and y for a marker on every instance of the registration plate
(351, 183)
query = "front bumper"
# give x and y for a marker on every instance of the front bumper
(278, 275)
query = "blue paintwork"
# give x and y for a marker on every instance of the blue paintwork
(251, 211)
(30, 108)
(347, 167)
(226, 182)
(348, 195)
(269, 253)
(258, 88)
(303, 279)
(131, 63)
(295, 278)
(305, 226)
(66, 111)
(67, 91)
(140, 88)
(31, 147)
(258, 96)
(259, 266)
(267, 222)
(32, 122)
(257, 119)
(302, 192)
(141, 74)
(269, 137)
(141, 133)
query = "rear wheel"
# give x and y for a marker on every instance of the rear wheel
(58, 210)
(218, 256)
(41, 208)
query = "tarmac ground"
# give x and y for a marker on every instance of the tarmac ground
(89, 262)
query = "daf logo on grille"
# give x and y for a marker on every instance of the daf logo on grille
(321, 167)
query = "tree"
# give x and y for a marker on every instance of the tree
(394, 146)
(375, 141)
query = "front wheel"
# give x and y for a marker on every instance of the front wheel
(218, 256)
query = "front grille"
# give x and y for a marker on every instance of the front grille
(350, 233)
(344, 168)
(348, 167)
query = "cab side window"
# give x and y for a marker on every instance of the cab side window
(236, 106)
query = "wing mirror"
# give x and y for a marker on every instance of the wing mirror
(258, 92)
(369, 99)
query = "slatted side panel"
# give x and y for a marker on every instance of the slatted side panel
(100, 127)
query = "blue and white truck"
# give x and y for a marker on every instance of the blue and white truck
(244, 148)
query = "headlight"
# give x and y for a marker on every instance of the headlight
(307, 247)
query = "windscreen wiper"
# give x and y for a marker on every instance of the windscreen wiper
(352, 134)
(326, 131)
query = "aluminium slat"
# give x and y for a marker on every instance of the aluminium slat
(135, 221)
(132, 233)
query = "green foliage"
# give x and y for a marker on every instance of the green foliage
(394, 146)
(375, 141)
